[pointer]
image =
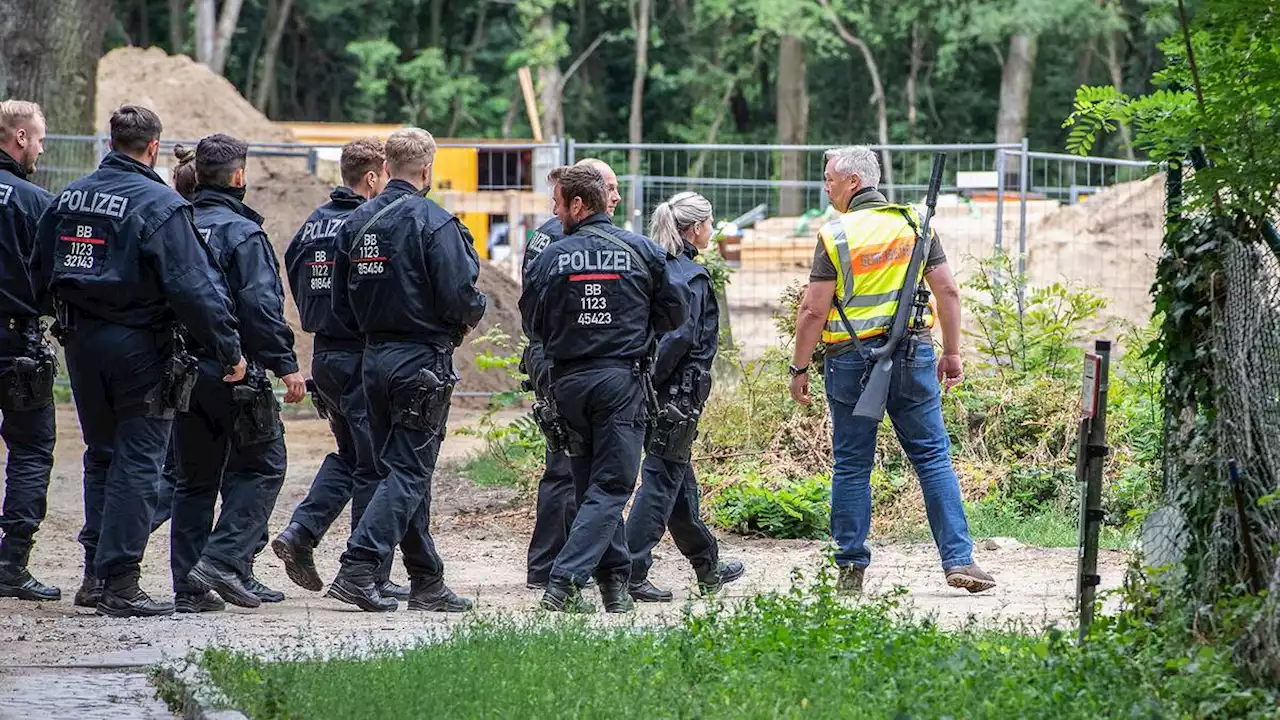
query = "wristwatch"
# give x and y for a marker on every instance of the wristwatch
(798, 371)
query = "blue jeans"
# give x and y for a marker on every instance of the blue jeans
(915, 409)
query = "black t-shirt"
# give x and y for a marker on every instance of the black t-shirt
(824, 270)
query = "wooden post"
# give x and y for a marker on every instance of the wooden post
(1090, 456)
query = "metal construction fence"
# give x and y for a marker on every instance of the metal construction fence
(1061, 218)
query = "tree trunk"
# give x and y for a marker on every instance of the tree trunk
(509, 120)
(877, 97)
(1015, 89)
(206, 20)
(726, 102)
(49, 51)
(1116, 67)
(917, 59)
(227, 21)
(144, 23)
(437, 21)
(640, 22)
(549, 87)
(255, 55)
(793, 120)
(271, 56)
(464, 66)
(177, 25)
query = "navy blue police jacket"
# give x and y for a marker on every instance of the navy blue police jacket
(534, 362)
(693, 345)
(309, 263)
(409, 276)
(120, 246)
(591, 299)
(21, 205)
(234, 234)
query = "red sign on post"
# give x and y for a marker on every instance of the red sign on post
(1092, 385)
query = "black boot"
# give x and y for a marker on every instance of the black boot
(295, 548)
(711, 581)
(564, 596)
(387, 588)
(206, 575)
(90, 592)
(648, 592)
(354, 585)
(615, 596)
(432, 595)
(122, 598)
(263, 593)
(15, 581)
(207, 601)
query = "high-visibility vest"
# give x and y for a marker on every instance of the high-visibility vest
(870, 249)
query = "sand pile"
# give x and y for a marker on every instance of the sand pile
(1110, 241)
(193, 102)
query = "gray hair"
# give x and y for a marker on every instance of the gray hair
(857, 160)
(673, 217)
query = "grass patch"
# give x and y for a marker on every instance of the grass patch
(1047, 529)
(783, 655)
(486, 469)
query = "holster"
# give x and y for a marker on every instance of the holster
(255, 412)
(675, 423)
(173, 393)
(322, 408)
(28, 384)
(427, 408)
(553, 426)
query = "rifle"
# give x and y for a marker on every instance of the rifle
(875, 393)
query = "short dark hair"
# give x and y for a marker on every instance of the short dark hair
(359, 157)
(586, 182)
(218, 157)
(133, 127)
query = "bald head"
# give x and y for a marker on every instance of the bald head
(612, 197)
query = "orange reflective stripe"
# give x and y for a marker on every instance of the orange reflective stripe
(878, 257)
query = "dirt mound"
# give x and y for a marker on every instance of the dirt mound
(1110, 242)
(193, 102)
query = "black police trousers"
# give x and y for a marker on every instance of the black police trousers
(557, 504)
(668, 500)
(400, 510)
(605, 405)
(347, 475)
(168, 483)
(29, 436)
(112, 369)
(249, 478)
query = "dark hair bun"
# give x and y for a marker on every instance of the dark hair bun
(184, 154)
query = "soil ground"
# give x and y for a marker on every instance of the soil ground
(482, 535)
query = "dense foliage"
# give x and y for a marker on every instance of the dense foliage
(797, 654)
(715, 72)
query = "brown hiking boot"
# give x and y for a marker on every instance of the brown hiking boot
(971, 578)
(849, 581)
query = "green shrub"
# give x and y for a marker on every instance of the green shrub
(780, 508)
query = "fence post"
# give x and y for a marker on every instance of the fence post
(99, 148)
(1024, 184)
(571, 152)
(1001, 161)
(1090, 454)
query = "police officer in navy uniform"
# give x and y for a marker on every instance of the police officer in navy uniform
(348, 474)
(557, 502)
(231, 439)
(119, 255)
(405, 278)
(668, 494)
(596, 300)
(26, 393)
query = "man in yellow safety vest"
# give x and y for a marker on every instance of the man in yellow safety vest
(859, 270)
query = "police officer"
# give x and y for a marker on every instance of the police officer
(348, 474)
(118, 252)
(231, 440)
(26, 361)
(556, 502)
(405, 278)
(596, 301)
(668, 495)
